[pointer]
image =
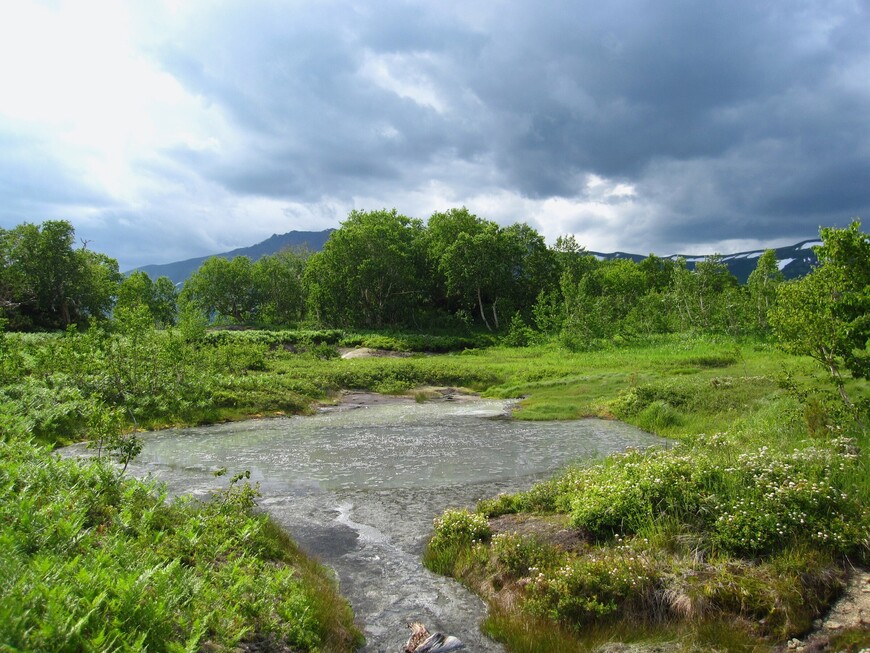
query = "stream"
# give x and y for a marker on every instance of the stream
(358, 489)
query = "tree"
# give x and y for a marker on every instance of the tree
(762, 285)
(442, 230)
(136, 289)
(486, 268)
(707, 297)
(572, 259)
(98, 286)
(826, 314)
(164, 305)
(658, 272)
(600, 301)
(370, 273)
(534, 268)
(46, 283)
(847, 253)
(479, 269)
(159, 297)
(225, 288)
(470, 267)
(279, 280)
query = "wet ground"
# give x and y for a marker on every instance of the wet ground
(359, 490)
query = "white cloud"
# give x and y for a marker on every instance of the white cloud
(72, 77)
(405, 75)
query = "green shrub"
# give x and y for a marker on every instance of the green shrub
(590, 588)
(519, 333)
(521, 555)
(503, 504)
(456, 528)
(91, 561)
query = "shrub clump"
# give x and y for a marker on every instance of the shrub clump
(702, 530)
(459, 528)
(750, 506)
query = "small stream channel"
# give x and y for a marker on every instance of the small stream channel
(359, 488)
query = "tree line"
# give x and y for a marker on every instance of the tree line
(456, 271)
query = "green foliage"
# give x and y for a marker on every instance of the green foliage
(415, 342)
(105, 426)
(136, 371)
(762, 285)
(225, 288)
(459, 528)
(47, 284)
(707, 297)
(279, 279)
(160, 298)
(274, 339)
(93, 562)
(520, 555)
(518, 335)
(394, 375)
(457, 542)
(483, 266)
(590, 588)
(241, 291)
(694, 533)
(748, 505)
(752, 527)
(370, 273)
(825, 314)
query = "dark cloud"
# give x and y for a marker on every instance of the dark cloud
(728, 121)
(550, 91)
(37, 185)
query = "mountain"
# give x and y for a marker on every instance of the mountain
(794, 260)
(181, 270)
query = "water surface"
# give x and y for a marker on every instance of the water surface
(359, 489)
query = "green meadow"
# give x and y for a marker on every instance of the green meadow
(735, 538)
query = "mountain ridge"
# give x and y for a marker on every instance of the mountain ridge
(794, 260)
(179, 271)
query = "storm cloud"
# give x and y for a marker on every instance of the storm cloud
(166, 131)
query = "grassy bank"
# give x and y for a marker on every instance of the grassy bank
(735, 539)
(740, 535)
(92, 561)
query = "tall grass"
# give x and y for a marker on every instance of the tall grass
(90, 561)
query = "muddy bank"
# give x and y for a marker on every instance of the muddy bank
(368, 352)
(850, 613)
(352, 399)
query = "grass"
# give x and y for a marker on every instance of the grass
(739, 537)
(92, 561)
(697, 557)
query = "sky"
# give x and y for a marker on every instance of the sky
(169, 129)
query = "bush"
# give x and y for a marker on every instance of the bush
(458, 528)
(592, 587)
(521, 555)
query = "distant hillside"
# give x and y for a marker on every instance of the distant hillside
(794, 260)
(181, 270)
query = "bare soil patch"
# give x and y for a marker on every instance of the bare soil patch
(368, 352)
(553, 529)
(850, 613)
(351, 399)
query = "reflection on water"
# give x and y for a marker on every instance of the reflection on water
(359, 489)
